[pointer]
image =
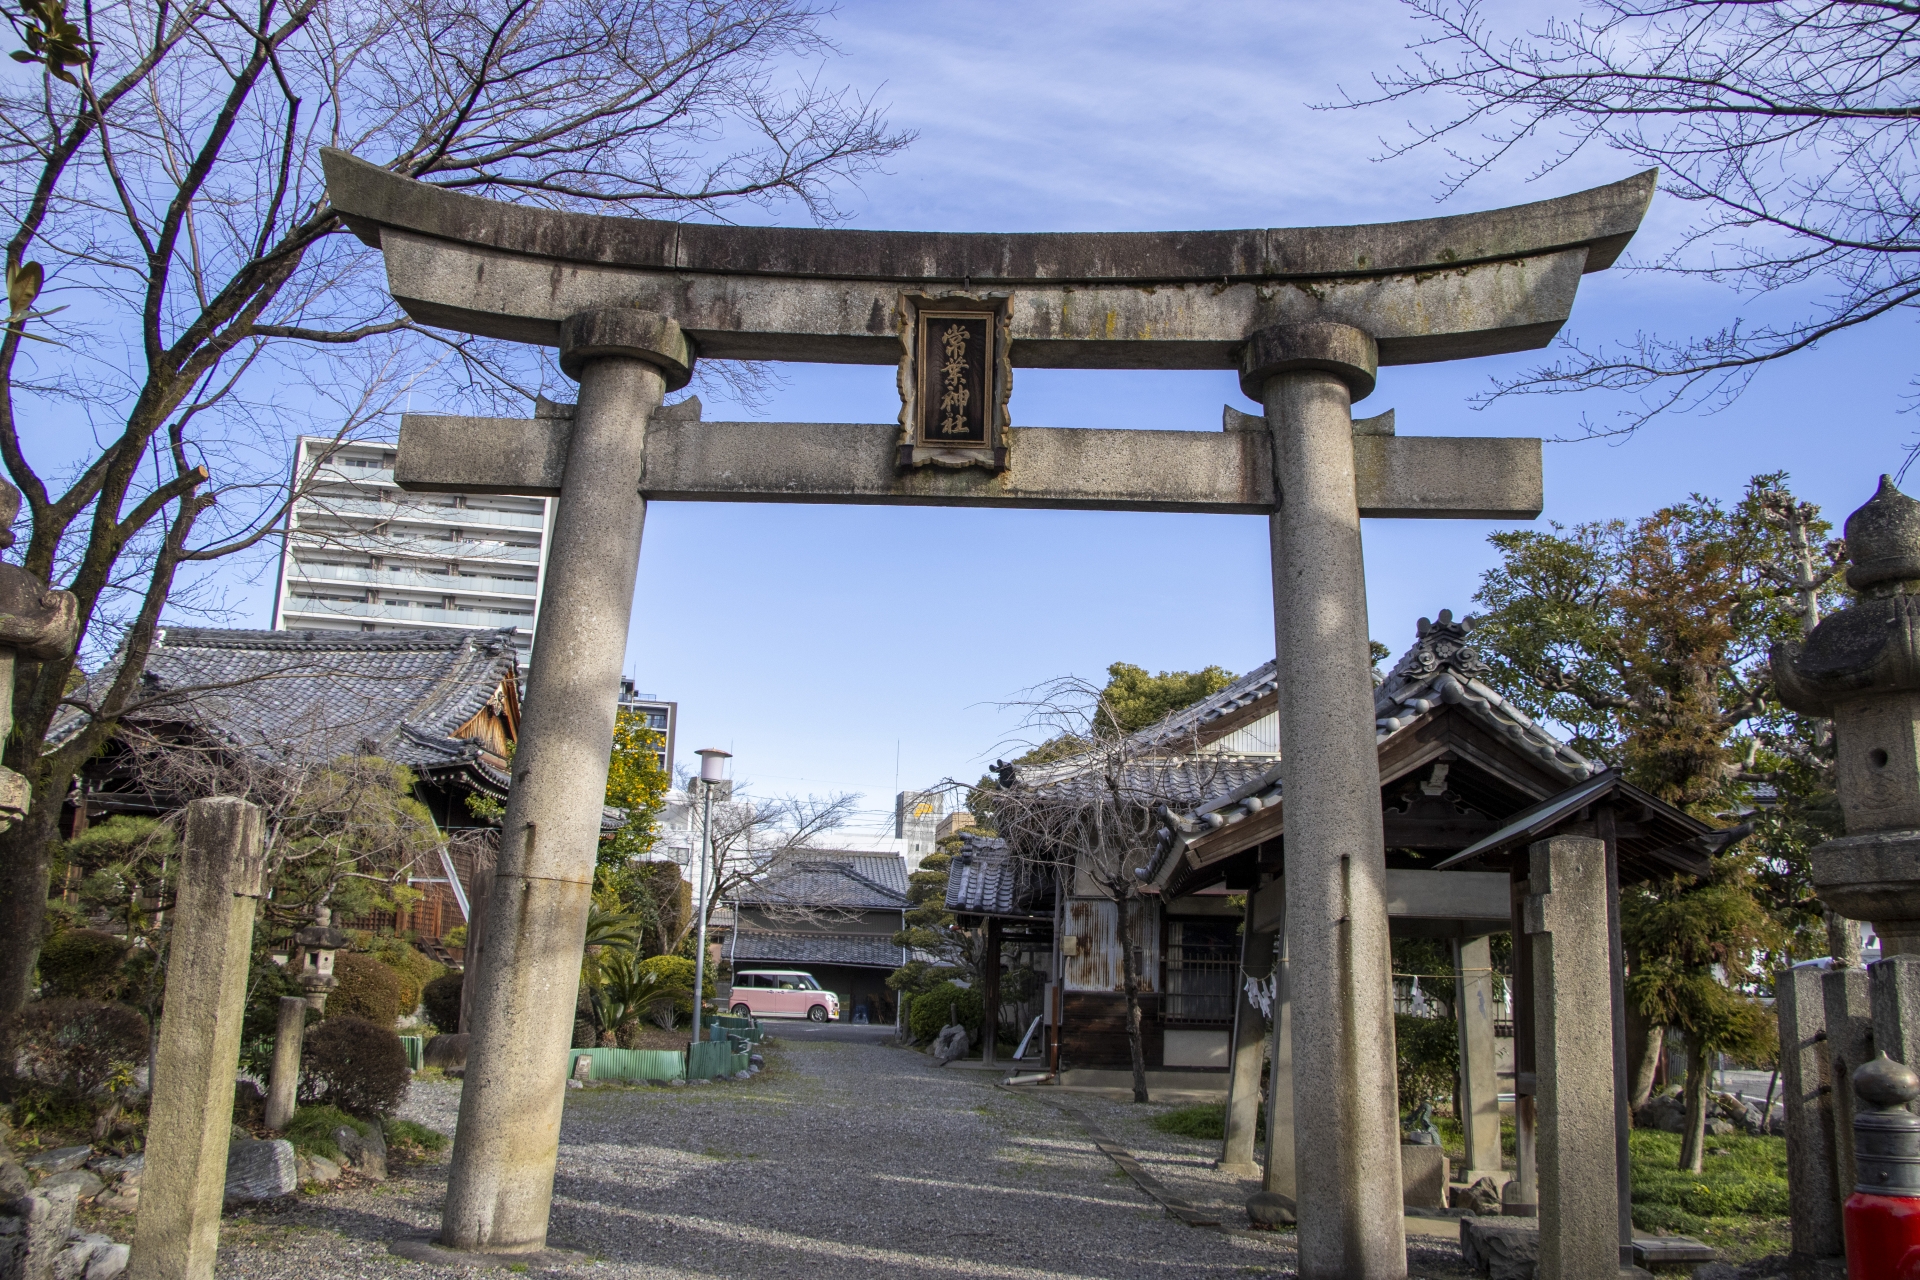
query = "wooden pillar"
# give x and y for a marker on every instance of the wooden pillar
(1523, 1193)
(1622, 1081)
(990, 995)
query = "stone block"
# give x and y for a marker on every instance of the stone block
(59, 1160)
(1269, 1210)
(365, 1154)
(13, 1180)
(260, 1171)
(43, 1221)
(1423, 1176)
(1500, 1248)
(446, 1052)
(108, 1261)
(85, 1183)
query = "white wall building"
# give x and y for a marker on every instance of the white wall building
(360, 555)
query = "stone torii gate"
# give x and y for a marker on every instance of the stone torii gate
(1306, 315)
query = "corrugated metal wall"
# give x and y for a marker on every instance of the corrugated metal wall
(1097, 966)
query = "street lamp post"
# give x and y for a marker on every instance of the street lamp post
(712, 773)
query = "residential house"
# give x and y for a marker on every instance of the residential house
(831, 913)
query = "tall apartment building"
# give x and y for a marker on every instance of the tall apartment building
(916, 820)
(661, 717)
(360, 555)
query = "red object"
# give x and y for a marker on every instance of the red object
(1883, 1237)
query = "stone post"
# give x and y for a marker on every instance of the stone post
(501, 1185)
(1249, 1040)
(1475, 1012)
(1279, 1137)
(1849, 1045)
(1520, 1198)
(1814, 1179)
(1345, 1109)
(1572, 976)
(283, 1081)
(1894, 995)
(190, 1120)
(486, 857)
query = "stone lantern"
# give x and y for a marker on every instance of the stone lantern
(318, 942)
(36, 624)
(1861, 669)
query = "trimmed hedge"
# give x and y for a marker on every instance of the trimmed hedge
(83, 964)
(352, 1064)
(932, 1009)
(367, 989)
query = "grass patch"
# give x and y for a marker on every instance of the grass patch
(311, 1130)
(1204, 1120)
(410, 1141)
(1737, 1204)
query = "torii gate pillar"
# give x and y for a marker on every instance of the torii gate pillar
(1345, 1111)
(508, 1139)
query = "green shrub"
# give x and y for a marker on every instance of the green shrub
(355, 1065)
(1428, 1051)
(311, 1130)
(413, 1141)
(83, 964)
(414, 967)
(933, 1009)
(82, 1048)
(441, 998)
(1206, 1120)
(367, 989)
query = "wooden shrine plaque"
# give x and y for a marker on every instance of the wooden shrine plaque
(954, 381)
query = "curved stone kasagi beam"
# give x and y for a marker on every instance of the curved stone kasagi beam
(1435, 289)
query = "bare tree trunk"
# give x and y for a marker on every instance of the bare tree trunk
(1647, 1066)
(1130, 982)
(1693, 1143)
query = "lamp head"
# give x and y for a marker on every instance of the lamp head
(711, 768)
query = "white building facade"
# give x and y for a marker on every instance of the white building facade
(361, 555)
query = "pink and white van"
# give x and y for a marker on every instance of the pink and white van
(782, 993)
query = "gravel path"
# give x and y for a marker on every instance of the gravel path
(843, 1159)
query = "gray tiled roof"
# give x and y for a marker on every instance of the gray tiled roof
(986, 879)
(831, 878)
(317, 695)
(1441, 669)
(757, 948)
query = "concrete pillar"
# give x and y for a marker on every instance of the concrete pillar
(1280, 1135)
(1475, 1012)
(1572, 975)
(284, 1080)
(1249, 1039)
(989, 996)
(190, 1121)
(1894, 995)
(485, 858)
(1346, 1119)
(1813, 1175)
(1607, 829)
(1849, 1014)
(501, 1185)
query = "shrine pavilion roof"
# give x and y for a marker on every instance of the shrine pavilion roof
(309, 696)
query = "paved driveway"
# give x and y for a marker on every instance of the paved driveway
(844, 1159)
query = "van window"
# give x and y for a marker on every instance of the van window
(806, 983)
(751, 980)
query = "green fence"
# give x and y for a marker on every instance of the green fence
(630, 1064)
(709, 1058)
(416, 1049)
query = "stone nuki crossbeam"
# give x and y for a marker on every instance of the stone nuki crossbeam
(1082, 469)
(1307, 316)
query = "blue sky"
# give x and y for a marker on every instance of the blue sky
(821, 645)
